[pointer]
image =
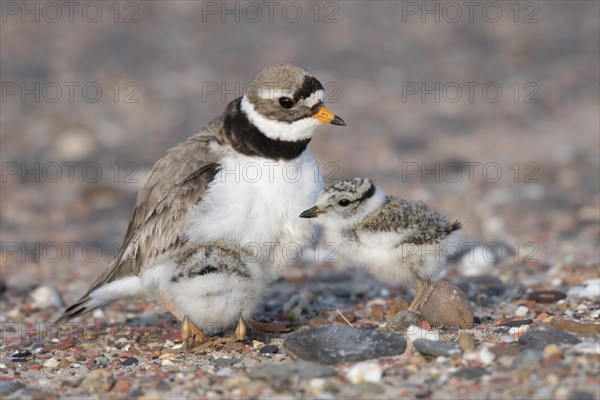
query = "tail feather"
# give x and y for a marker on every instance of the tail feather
(454, 226)
(79, 308)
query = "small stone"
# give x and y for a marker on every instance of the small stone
(433, 348)
(300, 369)
(589, 289)
(129, 361)
(516, 322)
(365, 372)
(65, 344)
(123, 385)
(226, 362)
(98, 381)
(551, 349)
(396, 307)
(402, 320)
(501, 350)
(521, 311)
(163, 386)
(37, 394)
(445, 305)
(269, 349)
(51, 363)
(44, 297)
(471, 373)
(581, 395)
(528, 358)
(466, 340)
(369, 387)
(486, 356)
(572, 326)
(20, 355)
(377, 312)
(8, 387)
(587, 348)
(547, 296)
(546, 333)
(336, 343)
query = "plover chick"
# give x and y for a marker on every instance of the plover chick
(210, 288)
(395, 240)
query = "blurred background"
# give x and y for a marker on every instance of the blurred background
(489, 114)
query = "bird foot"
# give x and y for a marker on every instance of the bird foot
(421, 286)
(191, 333)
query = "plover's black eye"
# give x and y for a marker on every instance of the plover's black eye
(286, 102)
(344, 202)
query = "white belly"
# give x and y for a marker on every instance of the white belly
(257, 202)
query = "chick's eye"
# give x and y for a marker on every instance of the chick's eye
(344, 202)
(286, 102)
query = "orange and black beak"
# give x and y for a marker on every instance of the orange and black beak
(312, 212)
(327, 117)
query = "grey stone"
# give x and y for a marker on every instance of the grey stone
(369, 387)
(129, 361)
(8, 387)
(163, 386)
(528, 358)
(581, 395)
(402, 320)
(472, 373)
(301, 369)
(434, 348)
(269, 349)
(336, 343)
(226, 362)
(548, 334)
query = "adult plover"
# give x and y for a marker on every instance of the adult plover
(242, 179)
(395, 240)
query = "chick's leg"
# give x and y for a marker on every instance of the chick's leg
(421, 285)
(189, 330)
(240, 331)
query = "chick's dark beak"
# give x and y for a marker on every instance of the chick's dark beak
(311, 212)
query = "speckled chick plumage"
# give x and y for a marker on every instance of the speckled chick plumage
(213, 285)
(396, 240)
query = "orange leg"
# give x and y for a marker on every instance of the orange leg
(240, 331)
(421, 285)
(189, 330)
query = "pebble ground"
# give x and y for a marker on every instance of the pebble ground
(521, 175)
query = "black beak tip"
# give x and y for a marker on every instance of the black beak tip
(310, 213)
(338, 121)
